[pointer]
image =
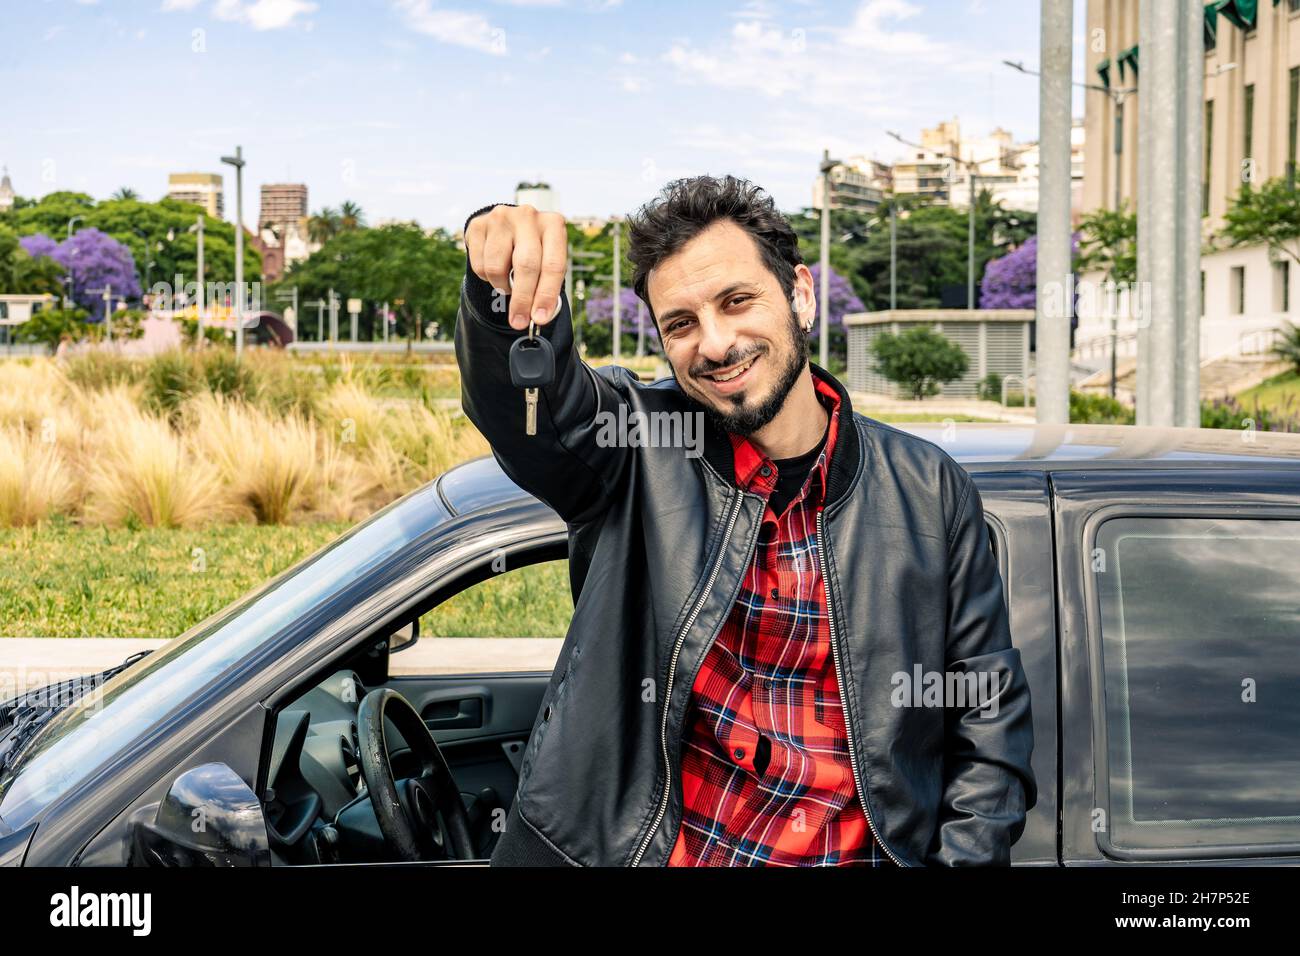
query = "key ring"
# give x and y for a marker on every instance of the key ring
(559, 301)
(532, 328)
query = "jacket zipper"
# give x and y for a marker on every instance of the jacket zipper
(672, 669)
(839, 680)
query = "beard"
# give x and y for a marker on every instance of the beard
(741, 419)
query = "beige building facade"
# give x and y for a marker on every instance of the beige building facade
(1252, 107)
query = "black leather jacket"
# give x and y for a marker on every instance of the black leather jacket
(659, 542)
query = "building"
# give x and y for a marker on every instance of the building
(282, 227)
(942, 168)
(996, 341)
(6, 191)
(588, 225)
(202, 189)
(857, 182)
(538, 195)
(1252, 105)
(282, 203)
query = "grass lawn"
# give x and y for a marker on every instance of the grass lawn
(1276, 393)
(62, 580)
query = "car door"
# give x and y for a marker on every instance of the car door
(478, 673)
(1180, 664)
(1016, 509)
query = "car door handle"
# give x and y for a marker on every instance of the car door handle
(453, 713)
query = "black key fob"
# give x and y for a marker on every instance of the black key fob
(532, 362)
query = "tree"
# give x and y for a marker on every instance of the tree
(23, 272)
(157, 232)
(418, 275)
(1287, 346)
(1108, 242)
(323, 225)
(1011, 282)
(919, 359)
(126, 192)
(1268, 215)
(95, 261)
(350, 216)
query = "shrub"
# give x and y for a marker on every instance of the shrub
(1099, 410)
(990, 387)
(919, 360)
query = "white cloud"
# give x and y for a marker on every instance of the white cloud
(172, 5)
(869, 30)
(263, 14)
(457, 27)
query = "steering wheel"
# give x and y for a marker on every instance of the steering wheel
(421, 818)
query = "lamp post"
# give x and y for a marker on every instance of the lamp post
(824, 292)
(238, 162)
(68, 281)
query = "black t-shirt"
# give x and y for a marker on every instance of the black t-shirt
(791, 474)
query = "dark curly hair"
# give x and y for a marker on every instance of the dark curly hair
(686, 207)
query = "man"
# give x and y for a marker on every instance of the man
(728, 692)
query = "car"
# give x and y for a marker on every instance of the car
(1151, 577)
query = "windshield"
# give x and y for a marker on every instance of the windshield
(101, 724)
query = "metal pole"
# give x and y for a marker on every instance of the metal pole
(618, 312)
(893, 253)
(108, 310)
(1158, 202)
(320, 320)
(1052, 370)
(824, 293)
(239, 253)
(202, 296)
(970, 242)
(1187, 411)
(1118, 100)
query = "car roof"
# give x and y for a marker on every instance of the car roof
(995, 446)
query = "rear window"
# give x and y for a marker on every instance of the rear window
(1200, 623)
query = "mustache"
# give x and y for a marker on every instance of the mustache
(734, 357)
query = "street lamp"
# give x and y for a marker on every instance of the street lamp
(68, 280)
(1117, 97)
(824, 293)
(238, 162)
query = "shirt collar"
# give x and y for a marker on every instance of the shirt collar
(750, 461)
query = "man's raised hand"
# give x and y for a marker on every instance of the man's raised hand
(535, 245)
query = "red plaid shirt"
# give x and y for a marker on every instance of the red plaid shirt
(770, 678)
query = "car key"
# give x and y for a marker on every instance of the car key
(532, 366)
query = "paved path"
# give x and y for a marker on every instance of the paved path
(27, 662)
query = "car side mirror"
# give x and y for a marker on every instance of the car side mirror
(405, 636)
(209, 817)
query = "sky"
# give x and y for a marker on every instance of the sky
(427, 110)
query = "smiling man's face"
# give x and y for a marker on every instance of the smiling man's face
(734, 340)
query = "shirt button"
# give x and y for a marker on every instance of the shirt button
(765, 471)
(776, 593)
(739, 753)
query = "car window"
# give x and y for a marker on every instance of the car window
(529, 601)
(1200, 627)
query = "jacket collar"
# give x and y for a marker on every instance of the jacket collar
(843, 464)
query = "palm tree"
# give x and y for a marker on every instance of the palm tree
(126, 192)
(323, 225)
(1287, 345)
(351, 216)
